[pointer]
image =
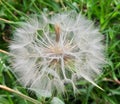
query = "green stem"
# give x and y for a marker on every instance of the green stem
(10, 22)
(10, 6)
(61, 1)
(9, 10)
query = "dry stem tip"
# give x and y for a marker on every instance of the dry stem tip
(57, 32)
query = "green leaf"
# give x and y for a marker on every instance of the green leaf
(56, 100)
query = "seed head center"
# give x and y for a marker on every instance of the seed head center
(58, 49)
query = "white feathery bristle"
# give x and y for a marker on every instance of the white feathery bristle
(51, 51)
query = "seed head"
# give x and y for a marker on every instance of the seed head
(50, 52)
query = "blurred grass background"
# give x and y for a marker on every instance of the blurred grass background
(105, 14)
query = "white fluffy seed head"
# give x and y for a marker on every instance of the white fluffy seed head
(51, 51)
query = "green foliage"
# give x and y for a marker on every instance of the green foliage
(105, 13)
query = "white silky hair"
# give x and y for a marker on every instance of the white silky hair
(44, 65)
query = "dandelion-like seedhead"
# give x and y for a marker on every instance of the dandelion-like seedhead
(51, 51)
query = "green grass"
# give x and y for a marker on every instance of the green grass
(105, 14)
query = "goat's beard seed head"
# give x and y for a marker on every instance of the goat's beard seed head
(49, 52)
